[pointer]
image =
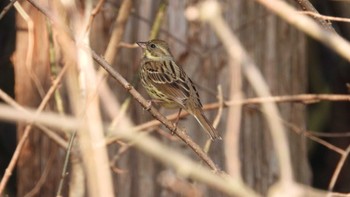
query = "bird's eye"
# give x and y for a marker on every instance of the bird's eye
(153, 46)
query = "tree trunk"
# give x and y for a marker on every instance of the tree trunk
(40, 155)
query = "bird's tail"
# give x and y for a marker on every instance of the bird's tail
(207, 126)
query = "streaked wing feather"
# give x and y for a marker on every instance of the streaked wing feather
(171, 80)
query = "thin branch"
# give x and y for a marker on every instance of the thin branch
(331, 134)
(308, 7)
(7, 8)
(159, 19)
(30, 49)
(221, 107)
(51, 134)
(338, 168)
(27, 131)
(307, 25)
(91, 136)
(324, 143)
(154, 33)
(217, 119)
(167, 33)
(93, 14)
(153, 147)
(302, 98)
(121, 113)
(299, 98)
(185, 166)
(331, 18)
(155, 113)
(232, 135)
(118, 31)
(46, 118)
(162, 152)
(128, 45)
(106, 95)
(209, 11)
(65, 165)
(309, 135)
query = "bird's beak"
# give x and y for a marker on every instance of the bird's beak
(142, 44)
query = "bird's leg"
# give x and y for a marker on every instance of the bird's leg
(176, 121)
(150, 102)
(149, 105)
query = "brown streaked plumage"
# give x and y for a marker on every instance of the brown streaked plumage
(168, 83)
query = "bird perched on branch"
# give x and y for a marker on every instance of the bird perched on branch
(168, 84)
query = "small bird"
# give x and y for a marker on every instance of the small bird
(168, 84)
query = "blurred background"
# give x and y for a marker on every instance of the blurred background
(291, 63)
(329, 73)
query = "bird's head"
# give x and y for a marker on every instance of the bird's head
(155, 49)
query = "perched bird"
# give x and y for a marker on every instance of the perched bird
(168, 84)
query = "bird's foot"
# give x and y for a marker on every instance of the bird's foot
(173, 131)
(149, 105)
(176, 121)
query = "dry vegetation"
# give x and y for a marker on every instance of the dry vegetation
(87, 132)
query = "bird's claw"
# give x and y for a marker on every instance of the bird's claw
(149, 105)
(173, 131)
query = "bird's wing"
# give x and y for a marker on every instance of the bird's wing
(171, 80)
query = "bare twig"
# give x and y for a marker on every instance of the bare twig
(65, 165)
(121, 113)
(159, 19)
(142, 101)
(232, 136)
(324, 143)
(27, 131)
(118, 31)
(128, 45)
(91, 136)
(307, 25)
(155, 113)
(331, 18)
(99, 177)
(210, 12)
(30, 49)
(308, 7)
(107, 98)
(154, 148)
(221, 107)
(154, 33)
(51, 134)
(309, 135)
(7, 8)
(217, 119)
(301, 98)
(337, 170)
(184, 166)
(94, 12)
(46, 118)
(330, 134)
